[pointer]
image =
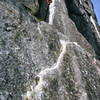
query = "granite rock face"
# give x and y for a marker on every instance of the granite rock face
(49, 52)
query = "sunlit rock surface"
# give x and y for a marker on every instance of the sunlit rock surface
(49, 52)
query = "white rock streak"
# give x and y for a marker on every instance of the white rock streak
(39, 29)
(60, 59)
(51, 10)
(49, 71)
(93, 22)
(80, 2)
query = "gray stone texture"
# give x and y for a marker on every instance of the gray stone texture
(49, 52)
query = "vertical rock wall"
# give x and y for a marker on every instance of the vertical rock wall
(49, 53)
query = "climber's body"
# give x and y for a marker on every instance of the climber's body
(43, 12)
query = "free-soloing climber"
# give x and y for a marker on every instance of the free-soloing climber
(43, 12)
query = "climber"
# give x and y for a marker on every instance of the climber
(49, 1)
(43, 12)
